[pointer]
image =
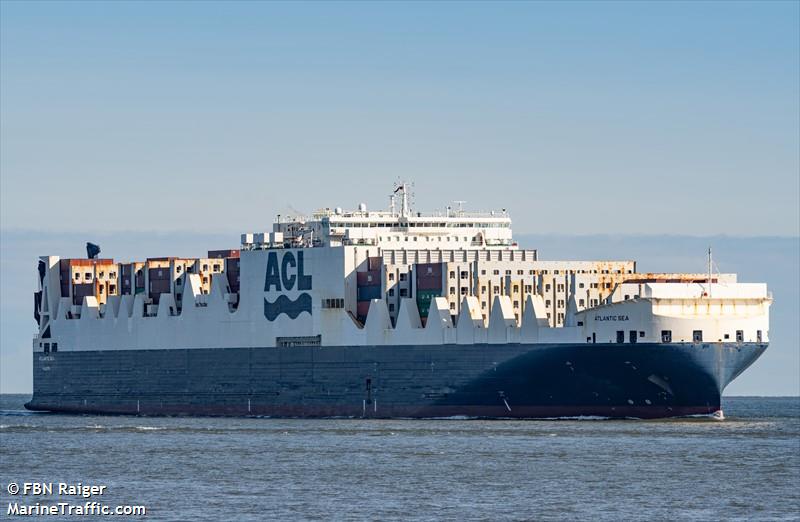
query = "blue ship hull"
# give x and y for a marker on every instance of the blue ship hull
(488, 381)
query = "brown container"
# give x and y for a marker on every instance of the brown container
(220, 254)
(429, 283)
(427, 270)
(374, 263)
(362, 308)
(158, 274)
(159, 286)
(371, 278)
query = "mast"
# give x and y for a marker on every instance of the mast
(404, 210)
(709, 271)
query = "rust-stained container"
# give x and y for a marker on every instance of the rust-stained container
(372, 278)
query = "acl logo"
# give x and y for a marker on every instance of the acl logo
(285, 276)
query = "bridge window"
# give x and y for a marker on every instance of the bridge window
(632, 336)
(739, 336)
(666, 336)
(620, 336)
(697, 336)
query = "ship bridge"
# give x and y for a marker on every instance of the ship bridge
(395, 228)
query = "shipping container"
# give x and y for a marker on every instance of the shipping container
(232, 271)
(66, 276)
(362, 309)
(428, 270)
(160, 286)
(429, 283)
(424, 299)
(365, 293)
(374, 263)
(372, 278)
(81, 290)
(159, 274)
(221, 254)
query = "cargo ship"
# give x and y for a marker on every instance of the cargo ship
(388, 314)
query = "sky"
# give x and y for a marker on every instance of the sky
(631, 117)
(144, 122)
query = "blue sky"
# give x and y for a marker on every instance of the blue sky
(658, 117)
(651, 121)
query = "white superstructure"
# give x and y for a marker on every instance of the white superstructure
(384, 277)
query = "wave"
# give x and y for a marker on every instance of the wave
(284, 305)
